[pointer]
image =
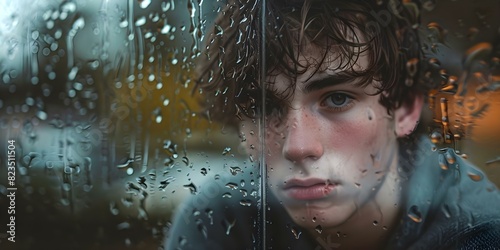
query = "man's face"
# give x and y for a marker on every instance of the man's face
(331, 153)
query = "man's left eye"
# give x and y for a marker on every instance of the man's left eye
(337, 100)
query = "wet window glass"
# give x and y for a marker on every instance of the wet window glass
(245, 124)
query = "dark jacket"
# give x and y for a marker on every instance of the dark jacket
(448, 204)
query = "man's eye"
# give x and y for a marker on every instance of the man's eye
(337, 100)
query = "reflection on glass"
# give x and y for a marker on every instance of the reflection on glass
(149, 124)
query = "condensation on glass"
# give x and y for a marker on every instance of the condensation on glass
(97, 98)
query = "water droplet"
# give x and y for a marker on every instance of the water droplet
(446, 210)
(196, 212)
(127, 202)
(142, 181)
(144, 3)
(415, 214)
(72, 73)
(164, 183)
(246, 203)
(203, 171)
(475, 176)
(128, 242)
(130, 171)
(434, 62)
(68, 7)
(375, 223)
(318, 229)
(451, 85)
(123, 23)
(41, 115)
(78, 24)
(472, 33)
(436, 31)
(166, 28)
(140, 21)
(113, 208)
(185, 160)
(477, 52)
(232, 185)
(429, 5)
(296, 233)
(191, 187)
(227, 195)
(182, 241)
(226, 151)
(412, 66)
(235, 170)
(123, 225)
(450, 157)
(244, 192)
(442, 162)
(65, 202)
(202, 228)
(166, 102)
(66, 186)
(228, 225)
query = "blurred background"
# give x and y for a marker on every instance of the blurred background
(109, 139)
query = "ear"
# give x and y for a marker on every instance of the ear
(408, 115)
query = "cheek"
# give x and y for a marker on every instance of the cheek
(361, 139)
(357, 131)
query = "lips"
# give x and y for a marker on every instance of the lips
(308, 189)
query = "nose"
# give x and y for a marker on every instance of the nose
(302, 141)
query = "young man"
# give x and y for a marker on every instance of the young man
(347, 166)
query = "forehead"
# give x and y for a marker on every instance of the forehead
(313, 62)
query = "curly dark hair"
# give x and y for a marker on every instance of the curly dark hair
(229, 72)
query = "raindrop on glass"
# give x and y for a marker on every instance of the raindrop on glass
(415, 214)
(235, 170)
(232, 185)
(296, 233)
(192, 188)
(446, 210)
(113, 208)
(144, 3)
(203, 171)
(442, 162)
(318, 229)
(130, 171)
(140, 21)
(226, 151)
(475, 176)
(450, 157)
(246, 203)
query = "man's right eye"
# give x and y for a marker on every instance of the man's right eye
(337, 101)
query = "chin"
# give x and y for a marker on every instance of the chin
(311, 216)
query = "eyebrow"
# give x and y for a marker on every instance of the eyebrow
(328, 81)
